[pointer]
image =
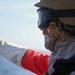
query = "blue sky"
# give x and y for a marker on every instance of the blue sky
(18, 23)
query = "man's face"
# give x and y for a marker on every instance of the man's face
(50, 34)
(47, 25)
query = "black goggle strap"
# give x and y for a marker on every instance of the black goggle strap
(51, 13)
(62, 13)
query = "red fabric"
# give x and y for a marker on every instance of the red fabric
(36, 62)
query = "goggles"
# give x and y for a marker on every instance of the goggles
(46, 15)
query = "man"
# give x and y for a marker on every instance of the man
(57, 22)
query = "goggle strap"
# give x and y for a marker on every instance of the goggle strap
(62, 13)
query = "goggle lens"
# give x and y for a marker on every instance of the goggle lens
(44, 18)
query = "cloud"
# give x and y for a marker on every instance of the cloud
(16, 6)
(30, 15)
(21, 7)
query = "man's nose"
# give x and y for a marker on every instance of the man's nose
(45, 31)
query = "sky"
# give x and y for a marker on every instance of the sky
(18, 23)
